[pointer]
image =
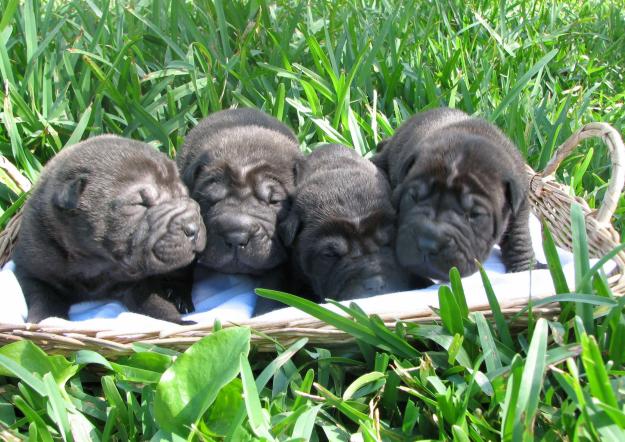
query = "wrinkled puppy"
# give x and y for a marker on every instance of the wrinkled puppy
(460, 187)
(342, 226)
(238, 165)
(108, 218)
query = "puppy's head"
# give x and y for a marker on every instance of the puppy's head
(120, 200)
(241, 177)
(456, 194)
(342, 227)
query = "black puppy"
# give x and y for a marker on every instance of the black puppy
(342, 227)
(238, 165)
(108, 218)
(460, 187)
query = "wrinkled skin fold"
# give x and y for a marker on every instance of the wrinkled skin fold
(108, 218)
(342, 227)
(459, 186)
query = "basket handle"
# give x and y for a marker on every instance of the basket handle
(613, 140)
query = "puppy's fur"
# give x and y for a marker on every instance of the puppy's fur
(460, 187)
(109, 217)
(342, 226)
(238, 165)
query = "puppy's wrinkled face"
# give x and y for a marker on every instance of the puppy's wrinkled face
(452, 208)
(241, 206)
(138, 215)
(350, 258)
(342, 227)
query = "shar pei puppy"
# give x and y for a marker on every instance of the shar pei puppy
(108, 218)
(460, 187)
(342, 228)
(239, 166)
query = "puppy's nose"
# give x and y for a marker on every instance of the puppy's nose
(237, 238)
(190, 230)
(428, 244)
(374, 284)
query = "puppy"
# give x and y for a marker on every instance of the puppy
(342, 226)
(459, 186)
(238, 165)
(108, 218)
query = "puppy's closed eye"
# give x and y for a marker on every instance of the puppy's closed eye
(384, 235)
(333, 248)
(271, 192)
(419, 191)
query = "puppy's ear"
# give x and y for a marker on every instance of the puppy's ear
(288, 229)
(68, 196)
(297, 170)
(380, 158)
(406, 165)
(396, 196)
(191, 173)
(515, 193)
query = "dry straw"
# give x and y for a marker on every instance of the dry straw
(550, 201)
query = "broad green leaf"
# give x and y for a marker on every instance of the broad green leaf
(11, 368)
(192, 383)
(35, 360)
(225, 408)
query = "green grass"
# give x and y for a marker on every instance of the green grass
(346, 71)
(463, 379)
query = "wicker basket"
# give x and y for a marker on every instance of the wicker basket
(550, 201)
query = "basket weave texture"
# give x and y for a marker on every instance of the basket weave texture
(550, 201)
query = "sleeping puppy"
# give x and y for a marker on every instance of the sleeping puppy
(108, 218)
(238, 165)
(342, 226)
(460, 187)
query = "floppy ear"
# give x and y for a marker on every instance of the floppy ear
(68, 196)
(396, 195)
(380, 158)
(515, 194)
(297, 170)
(406, 166)
(191, 173)
(289, 228)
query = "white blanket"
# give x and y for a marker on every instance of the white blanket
(231, 298)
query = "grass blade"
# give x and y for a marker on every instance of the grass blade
(500, 320)
(257, 420)
(532, 379)
(582, 264)
(489, 349)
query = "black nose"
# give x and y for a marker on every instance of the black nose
(374, 284)
(237, 238)
(428, 244)
(190, 229)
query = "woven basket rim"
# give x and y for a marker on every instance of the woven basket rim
(549, 200)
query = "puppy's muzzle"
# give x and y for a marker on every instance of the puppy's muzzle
(237, 232)
(431, 241)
